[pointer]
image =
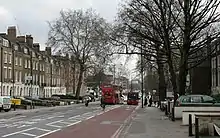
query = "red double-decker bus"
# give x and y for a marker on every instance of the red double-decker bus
(133, 98)
(111, 94)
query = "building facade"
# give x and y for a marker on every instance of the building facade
(215, 70)
(27, 71)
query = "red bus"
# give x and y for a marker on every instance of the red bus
(133, 98)
(111, 93)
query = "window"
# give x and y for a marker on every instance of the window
(16, 76)
(208, 99)
(5, 73)
(9, 58)
(43, 79)
(33, 77)
(5, 57)
(196, 99)
(9, 73)
(20, 76)
(16, 47)
(36, 65)
(218, 60)
(40, 79)
(42, 67)
(16, 61)
(186, 100)
(26, 63)
(29, 64)
(36, 78)
(218, 77)
(25, 50)
(5, 43)
(25, 75)
(20, 62)
(33, 65)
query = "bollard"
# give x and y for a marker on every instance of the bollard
(14, 107)
(190, 125)
(173, 115)
(196, 127)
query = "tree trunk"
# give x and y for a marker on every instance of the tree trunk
(173, 79)
(79, 84)
(182, 74)
(162, 83)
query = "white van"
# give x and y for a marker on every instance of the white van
(5, 103)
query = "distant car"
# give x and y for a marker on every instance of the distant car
(195, 100)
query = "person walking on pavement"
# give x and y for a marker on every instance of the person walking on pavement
(145, 101)
(150, 101)
(102, 103)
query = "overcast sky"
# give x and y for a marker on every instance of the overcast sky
(30, 16)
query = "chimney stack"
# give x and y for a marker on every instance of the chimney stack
(21, 39)
(36, 46)
(29, 40)
(48, 50)
(12, 33)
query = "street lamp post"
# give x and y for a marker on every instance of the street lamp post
(142, 79)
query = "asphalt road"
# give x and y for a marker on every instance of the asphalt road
(43, 122)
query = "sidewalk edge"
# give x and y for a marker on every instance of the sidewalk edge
(123, 126)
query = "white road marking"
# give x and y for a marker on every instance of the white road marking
(52, 124)
(47, 133)
(100, 113)
(28, 134)
(74, 117)
(18, 132)
(65, 123)
(17, 117)
(43, 129)
(89, 117)
(10, 126)
(74, 123)
(23, 126)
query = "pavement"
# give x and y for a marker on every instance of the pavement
(150, 122)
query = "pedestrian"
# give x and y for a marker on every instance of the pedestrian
(150, 101)
(145, 101)
(102, 103)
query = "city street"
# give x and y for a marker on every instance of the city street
(42, 123)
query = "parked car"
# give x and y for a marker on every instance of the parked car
(188, 100)
(5, 103)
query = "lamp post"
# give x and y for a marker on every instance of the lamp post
(142, 78)
(2, 64)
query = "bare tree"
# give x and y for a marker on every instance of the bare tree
(148, 25)
(181, 29)
(196, 28)
(82, 35)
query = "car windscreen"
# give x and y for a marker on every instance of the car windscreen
(6, 101)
